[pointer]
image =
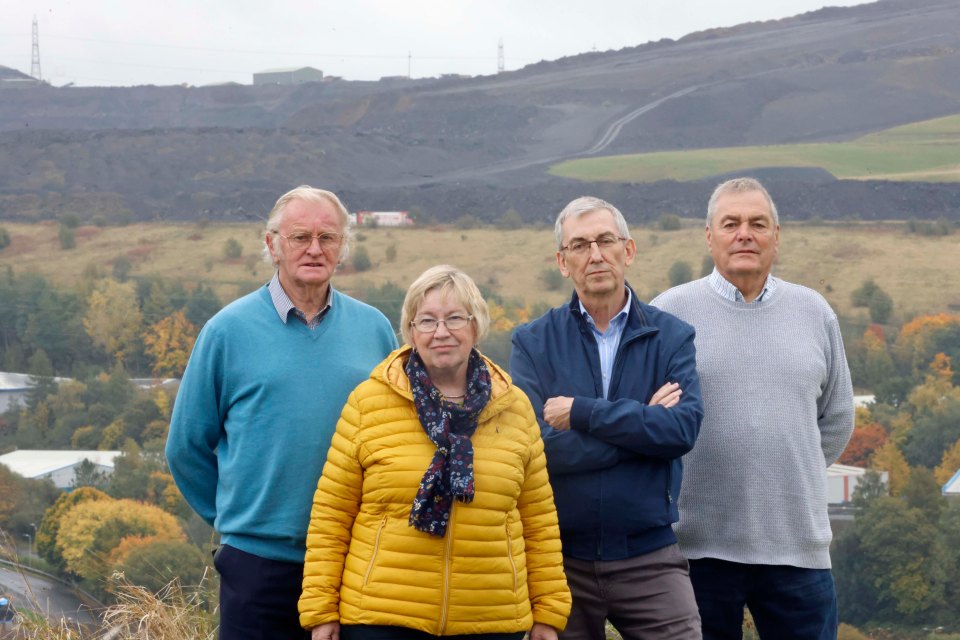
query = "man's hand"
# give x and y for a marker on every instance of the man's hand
(329, 631)
(542, 631)
(556, 412)
(667, 396)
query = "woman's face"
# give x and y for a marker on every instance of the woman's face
(444, 352)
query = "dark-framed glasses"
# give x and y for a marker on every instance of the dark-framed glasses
(604, 242)
(301, 239)
(429, 325)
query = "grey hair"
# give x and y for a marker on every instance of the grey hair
(739, 185)
(308, 194)
(586, 204)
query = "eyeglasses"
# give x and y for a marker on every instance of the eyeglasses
(301, 240)
(429, 325)
(605, 242)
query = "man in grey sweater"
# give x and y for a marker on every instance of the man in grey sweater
(778, 409)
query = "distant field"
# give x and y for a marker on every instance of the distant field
(922, 151)
(919, 272)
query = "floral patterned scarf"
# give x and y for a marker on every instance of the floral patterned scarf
(449, 426)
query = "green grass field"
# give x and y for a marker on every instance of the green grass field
(919, 272)
(922, 151)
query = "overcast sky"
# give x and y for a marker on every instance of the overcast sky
(198, 42)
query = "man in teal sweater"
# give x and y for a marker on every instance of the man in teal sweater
(257, 408)
(778, 409)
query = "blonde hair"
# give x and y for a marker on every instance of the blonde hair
(447, 280)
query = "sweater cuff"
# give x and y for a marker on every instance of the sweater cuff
(580, 413)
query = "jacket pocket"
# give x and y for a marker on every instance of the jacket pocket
(373, 554)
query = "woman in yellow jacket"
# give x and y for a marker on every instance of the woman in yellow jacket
(434, 515)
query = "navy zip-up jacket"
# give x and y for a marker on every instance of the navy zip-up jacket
(616, 473)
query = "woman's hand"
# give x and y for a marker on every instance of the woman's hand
(331, 631)
(542, 631)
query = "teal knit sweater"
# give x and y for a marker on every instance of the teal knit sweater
(255, 413)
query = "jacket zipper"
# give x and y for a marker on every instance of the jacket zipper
(448, 543)
(513, 563)
(376, 548)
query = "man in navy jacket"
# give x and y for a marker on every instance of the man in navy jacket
(615, 387)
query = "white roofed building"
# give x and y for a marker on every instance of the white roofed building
(952, 488)
(59, 466)
(842, 479)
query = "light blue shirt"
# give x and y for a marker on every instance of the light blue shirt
(284, 305)
(726, 288)
(608, 341)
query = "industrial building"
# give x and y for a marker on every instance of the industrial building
(59, 466)
(297, 75)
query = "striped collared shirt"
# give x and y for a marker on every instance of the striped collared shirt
(726, 289)
(608, 341)
(284, 305)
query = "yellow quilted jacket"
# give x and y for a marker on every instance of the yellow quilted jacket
(498, 569)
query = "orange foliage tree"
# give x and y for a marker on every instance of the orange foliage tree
(54, 517)
(865, 440)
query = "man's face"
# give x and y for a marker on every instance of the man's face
(311, 266)
(596, 272)
(742, 236)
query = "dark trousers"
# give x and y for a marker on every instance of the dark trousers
(385, 632)
(645, 597)
(786, 602)
(258, 597)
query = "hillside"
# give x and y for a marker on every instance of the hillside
(833, 259)
(483, 145)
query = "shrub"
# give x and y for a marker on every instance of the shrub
(680, 272)
(4, 238)
(552, 279)
(68, 239)
(669, 222)
(361, 259)
(232, 249)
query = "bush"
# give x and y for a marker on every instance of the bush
(4, 238)
(861, 295)
(68, 239)
(680, 272)
(121, 268)
(510, 220)
(669, 222)
(392, 253)
(552, 279)
(232, 249)
(361, 259)
(467, 221)
(880, 307)
(706, 267)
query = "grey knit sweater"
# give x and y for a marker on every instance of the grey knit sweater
(778, 410)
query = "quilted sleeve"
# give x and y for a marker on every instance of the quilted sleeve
(335, 506)
(549, 596)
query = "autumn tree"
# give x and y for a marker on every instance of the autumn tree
(169, 343)
(153, 563)
(52, 519)
(91, 530)
(949, 464)
(889, 458)
(113, 318)
(865, 440)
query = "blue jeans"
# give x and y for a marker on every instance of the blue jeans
(786, 602)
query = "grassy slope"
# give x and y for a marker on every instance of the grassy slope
(918, 272)
(926, 151)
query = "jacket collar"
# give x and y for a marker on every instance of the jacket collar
(391, 372)
(637, 323)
